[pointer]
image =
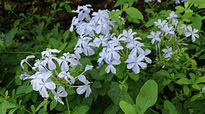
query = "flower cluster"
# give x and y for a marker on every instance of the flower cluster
(168, 29)
(113, 47)
(51, 73)
(180, 1)
(100, 22)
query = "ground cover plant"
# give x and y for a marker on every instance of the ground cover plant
(130, 56)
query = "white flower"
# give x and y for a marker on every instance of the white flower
(60, 93)
(24, 76)
(26, 61)
(160, 23)
(134, 62)
(101, 40)
(167, 52)
(83, 12)
(172, 15)
(63, 63)
(40, 64)
(168, 30)
(128, 34)
(192, 33)
(113, 52)
(145, 53)
(84, 88)
(75, 21)
(155, 36)
(41, 83)
(110, 67)
(67, 77)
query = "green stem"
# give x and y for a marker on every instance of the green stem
(67, 105)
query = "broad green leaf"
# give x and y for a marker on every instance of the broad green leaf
(81, 110)
(183, 81)
(134, 13)
(10, 35)
(127, 108)
(200, 80)
(53, 104)
(169, 108)
(114, 15)
(186, 90)
(195, 97)
(147, 96)
(196, 21)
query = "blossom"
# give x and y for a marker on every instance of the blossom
(155, 36)
(41, 83)
(134, 62)
(145, 53)
(83, 12)
(110, 66)
(192, 33)
(83, 88)
(60, 93)
(67, 76)
(172, 15)
(101, 40)
(24, 76)
(26, 61)
(160, 23)
(167, 52)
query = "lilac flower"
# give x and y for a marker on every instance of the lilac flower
(110, 66)
(67, 77)
(60, 93)
(192, 33)
(84, 88)
(172, 15)
(167, 52)
(155, 36)
(26, 61)
(134, 62)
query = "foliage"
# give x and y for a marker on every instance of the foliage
(169, 78)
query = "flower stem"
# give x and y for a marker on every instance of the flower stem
(67, 105)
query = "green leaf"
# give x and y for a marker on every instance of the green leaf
(202, 56)
(5, 105)
(134, 76)
(200, 79)
(183, 81)
(13, 110)
(195, 97)
(114, 15)
(127, 108)
(186, 90)
(147, 96)
(66, 35)
(121, 69)
(10, 35)
(53, 104)
(111, 109)
(197, 21)
(169, 108)
(119, 2)
(134, 13)
(81, 110)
